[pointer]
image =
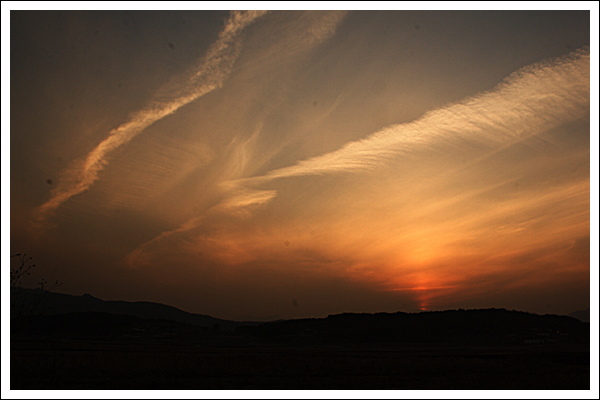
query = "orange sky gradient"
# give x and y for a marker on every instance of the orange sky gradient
(287, 164)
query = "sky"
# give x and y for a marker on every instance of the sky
(291, 164)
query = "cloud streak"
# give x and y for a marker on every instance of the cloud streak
(533, 99)
(530, 100)
(210, 75)
(311, 29)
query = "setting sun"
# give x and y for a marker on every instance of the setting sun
(227, 163)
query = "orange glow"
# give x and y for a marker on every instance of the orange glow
(308, 155)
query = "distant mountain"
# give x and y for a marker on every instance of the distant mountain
(490, 326)
(103, 326)
(26, 302)
(582, 315)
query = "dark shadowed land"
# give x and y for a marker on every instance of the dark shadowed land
(582, 315)
(26, 302)
(457, 349)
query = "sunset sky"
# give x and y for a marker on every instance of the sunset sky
(287, 164)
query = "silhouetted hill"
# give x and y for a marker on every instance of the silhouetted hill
(490, 326)
(102, 326)
(80, 314)
(582, 315)
(27, 302)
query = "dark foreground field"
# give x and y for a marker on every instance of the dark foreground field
(101, 351)
(130, 365)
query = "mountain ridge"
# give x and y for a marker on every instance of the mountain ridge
(582, 315)
(29, 302)
(26, 302)
(493, 326)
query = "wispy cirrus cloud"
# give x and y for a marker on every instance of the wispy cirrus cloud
(530, 100)
(310, 29)
(210, 75)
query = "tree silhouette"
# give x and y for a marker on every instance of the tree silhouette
(20, 307)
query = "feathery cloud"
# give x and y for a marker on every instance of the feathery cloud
(530, 100)
(210, 75)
